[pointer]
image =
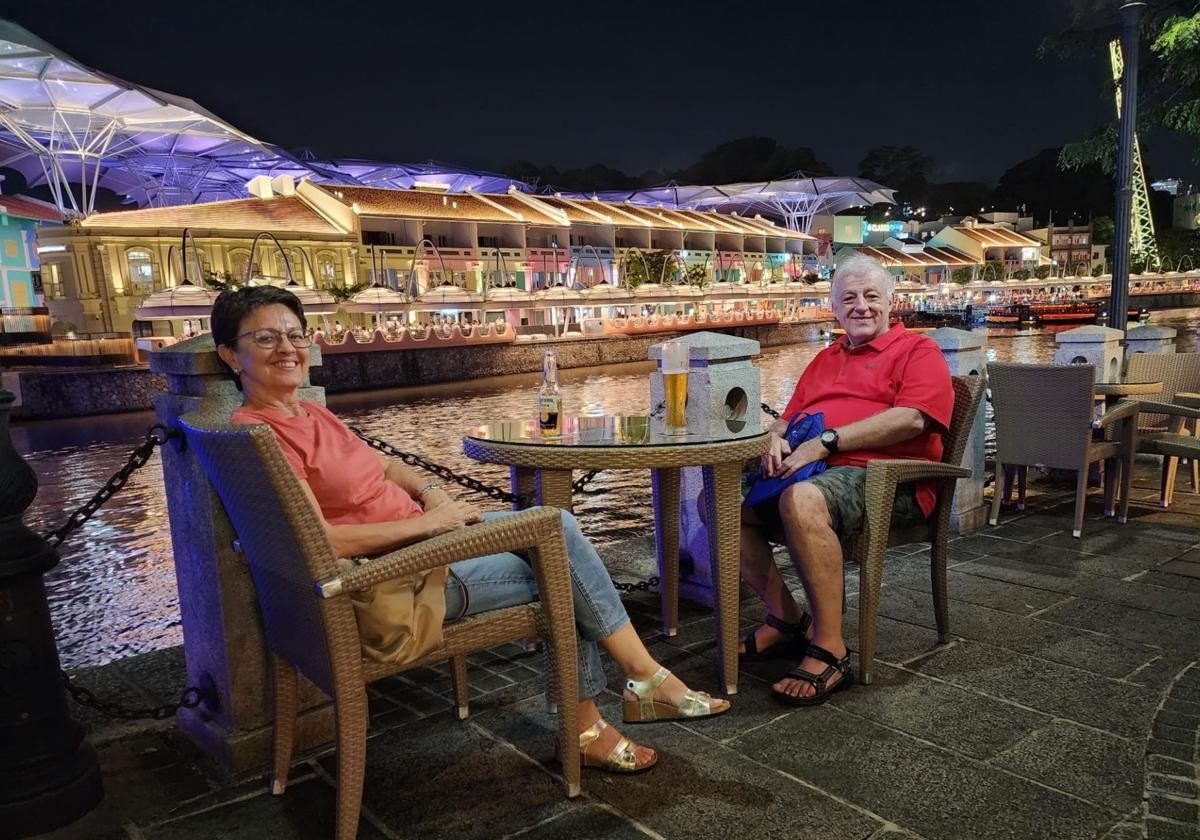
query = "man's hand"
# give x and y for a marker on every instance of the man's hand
(435, 499)
(807, 452)
(772, 461)
(451, 516)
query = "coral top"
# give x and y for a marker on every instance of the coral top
(898, 368)
(344, 473)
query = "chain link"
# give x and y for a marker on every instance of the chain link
(768, 410)
(640, 586)
(472, 484)
(189, 699)
(156, 436)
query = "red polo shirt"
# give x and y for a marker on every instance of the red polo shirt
(898, 368)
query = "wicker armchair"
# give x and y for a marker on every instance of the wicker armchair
(1045, 415)
(869, 548)
(310, 625)
(1180, 375)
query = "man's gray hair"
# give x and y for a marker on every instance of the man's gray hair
(860, 265)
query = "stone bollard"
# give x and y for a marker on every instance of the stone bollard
(1092, 345)
(222, 634)
(1149, 338)
(722, 385)
(965, 356)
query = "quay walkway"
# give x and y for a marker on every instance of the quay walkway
(1066, 705)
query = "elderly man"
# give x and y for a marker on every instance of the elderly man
(885, 393)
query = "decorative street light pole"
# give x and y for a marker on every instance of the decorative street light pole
(48, 772)
(1118, 309)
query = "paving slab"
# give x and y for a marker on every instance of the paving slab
(1068, 560)
(920, 787)
(591, 821)
(973, 589)
(1093, 765)
(1072, 694)
(1172, 634)
(698, 782)
(965, 721)
(305, 812)
(1069, 646)
(448, 778)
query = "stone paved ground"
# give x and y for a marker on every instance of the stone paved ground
(1066, 705)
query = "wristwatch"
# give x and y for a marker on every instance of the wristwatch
(829, 439)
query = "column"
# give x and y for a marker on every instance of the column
(222, 637)
(965, 355)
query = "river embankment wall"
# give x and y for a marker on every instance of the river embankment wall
(78, 392)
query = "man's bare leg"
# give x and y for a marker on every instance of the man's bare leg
(761, 574)
(817, 553)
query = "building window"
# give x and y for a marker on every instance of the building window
(143, 274)
(329, 269)
(239, 261)
(51, 281)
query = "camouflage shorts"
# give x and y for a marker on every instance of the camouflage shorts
(845, 492)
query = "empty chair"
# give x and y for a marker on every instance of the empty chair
(1045, 416)
(1180, 375)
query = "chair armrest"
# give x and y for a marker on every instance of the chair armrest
(1187, 398)
(902, 470)
(527, 529)
(1123, 410)
(1163, 408)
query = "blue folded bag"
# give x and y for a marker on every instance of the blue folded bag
(801, 428)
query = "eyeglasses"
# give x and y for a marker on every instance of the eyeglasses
(269, 339)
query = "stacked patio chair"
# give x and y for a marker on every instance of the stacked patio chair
(309, 621)
(1045, 416)
(1162, 430)
(869, 548)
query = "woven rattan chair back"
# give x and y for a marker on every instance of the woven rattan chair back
(284, 544)
(1043, 413)
(1178, 372)
(968, 391)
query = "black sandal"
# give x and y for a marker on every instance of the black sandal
(820, 682)
(792, 645)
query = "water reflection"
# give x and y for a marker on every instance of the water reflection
(113, 594)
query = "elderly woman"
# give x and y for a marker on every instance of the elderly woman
(370, 505)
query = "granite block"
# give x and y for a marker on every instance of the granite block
(1065, 692)
(1095, 766)
(304, 812)
(1174, 635)
(698, 783)
(918, 786)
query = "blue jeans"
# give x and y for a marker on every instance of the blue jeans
(506, 580)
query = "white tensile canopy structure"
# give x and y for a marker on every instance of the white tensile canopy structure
(183, 300)
(794, 200)
(75, 129)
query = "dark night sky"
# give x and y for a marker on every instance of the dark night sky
(633, 85)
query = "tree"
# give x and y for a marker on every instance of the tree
(1103, 228)
(903, 168)
(1168, 81)
(1045, 188)
(751, 159)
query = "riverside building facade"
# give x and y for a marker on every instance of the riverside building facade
(103, 266)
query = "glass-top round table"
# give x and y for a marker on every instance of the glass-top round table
(542, 465)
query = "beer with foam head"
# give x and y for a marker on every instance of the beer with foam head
(675, 386)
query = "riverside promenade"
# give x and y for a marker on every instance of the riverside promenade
(1066, 705)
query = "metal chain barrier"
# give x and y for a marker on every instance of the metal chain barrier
(579, 485)
(189, 699)
(156, 436)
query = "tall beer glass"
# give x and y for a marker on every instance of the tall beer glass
(675, 386)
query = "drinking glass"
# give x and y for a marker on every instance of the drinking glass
(676, 361)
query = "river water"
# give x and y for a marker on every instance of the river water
(113, 594)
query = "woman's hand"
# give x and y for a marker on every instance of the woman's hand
(772, 461)
(434, 499)
(451, 516)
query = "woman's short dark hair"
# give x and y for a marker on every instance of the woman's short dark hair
(233, 306)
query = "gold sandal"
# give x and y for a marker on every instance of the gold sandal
(696, 704)
(621, 759)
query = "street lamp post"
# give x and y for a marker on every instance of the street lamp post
(48, 772)
(1119, 303)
